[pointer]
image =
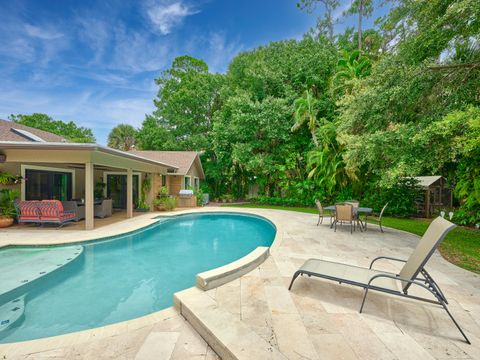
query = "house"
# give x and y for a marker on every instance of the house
(188, 172)
(53, 168)
(437, 195)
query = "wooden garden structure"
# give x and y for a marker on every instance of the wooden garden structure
(437, 195)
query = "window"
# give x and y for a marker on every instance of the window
(164, 180)
(196, 183)
(47, 185)
(188, 183)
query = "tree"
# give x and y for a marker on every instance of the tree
(122, 137)
(363, 8)
(350, 66)
(187, 98)
(325, 25)
(69, 130)
(306, 110)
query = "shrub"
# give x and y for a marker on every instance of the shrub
(401, 197)
(7, 201)
(199, 194)
(166, 202)
(280, 201)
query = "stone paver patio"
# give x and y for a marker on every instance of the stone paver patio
(316, 320)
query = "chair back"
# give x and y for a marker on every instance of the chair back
(28, 209)
(319, 206)
(51, 209)
(354, 203)
(381, 212)
(107, 205)
(344, 212)
(429, 242)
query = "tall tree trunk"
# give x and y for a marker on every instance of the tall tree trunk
(330, 23)
(360, 14)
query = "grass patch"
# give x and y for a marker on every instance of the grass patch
(307, 210)
(461, 246)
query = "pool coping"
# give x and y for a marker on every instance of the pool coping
(215, 277)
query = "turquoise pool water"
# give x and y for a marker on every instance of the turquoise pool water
(132, 275)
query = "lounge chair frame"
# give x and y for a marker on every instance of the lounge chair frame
(426, 282)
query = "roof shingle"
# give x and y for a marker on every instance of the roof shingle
(8, 134)
(181, 159)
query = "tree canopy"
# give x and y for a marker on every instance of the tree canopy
(122, 137)
(380, 105)
(69, 130)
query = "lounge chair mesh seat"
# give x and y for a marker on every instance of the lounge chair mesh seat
(413, 271)
(356, 275)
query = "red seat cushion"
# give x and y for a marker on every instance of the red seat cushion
(29, 210)
(51, 210)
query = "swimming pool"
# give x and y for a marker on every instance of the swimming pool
(128, 276)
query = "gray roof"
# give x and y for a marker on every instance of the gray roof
(11, 131)
(183, 160)
(426, 181)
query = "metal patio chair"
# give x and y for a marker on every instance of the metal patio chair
(413, 271)
(321, 212)
(344, 212)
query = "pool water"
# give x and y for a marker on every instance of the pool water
(128, 276)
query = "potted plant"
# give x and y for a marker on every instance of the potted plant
(142, 207)
(159, 202)
(8, 212)
(165, 203)
(99, 190)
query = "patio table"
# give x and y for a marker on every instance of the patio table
(356, 210)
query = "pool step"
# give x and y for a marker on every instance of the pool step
(11, 312)
(226, 334)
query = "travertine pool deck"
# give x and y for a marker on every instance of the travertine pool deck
(316, 320)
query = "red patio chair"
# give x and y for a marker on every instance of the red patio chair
(51, 211)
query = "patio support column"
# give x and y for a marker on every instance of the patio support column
(89, 203)
(129, 193)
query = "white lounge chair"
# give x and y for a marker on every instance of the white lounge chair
(412, 273)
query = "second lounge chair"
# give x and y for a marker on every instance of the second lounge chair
(413, 271)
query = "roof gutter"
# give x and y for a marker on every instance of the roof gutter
(78, 146)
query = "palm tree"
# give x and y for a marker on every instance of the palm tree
(122, 137)
(306, 109)
(351, 66)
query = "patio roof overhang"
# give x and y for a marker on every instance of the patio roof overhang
(80, 154)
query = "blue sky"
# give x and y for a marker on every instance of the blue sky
(94, 62)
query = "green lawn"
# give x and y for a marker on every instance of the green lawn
(461, 246)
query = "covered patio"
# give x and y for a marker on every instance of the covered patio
(71, 171)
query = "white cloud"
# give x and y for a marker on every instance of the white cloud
(138, 52)
(214, 48)
(95, 33)
(42, 32)
(166, 16)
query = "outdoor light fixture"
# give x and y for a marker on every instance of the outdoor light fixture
(442, 214)
(450, 215)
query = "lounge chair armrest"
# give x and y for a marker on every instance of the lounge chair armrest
(398, 278)
(386, 258)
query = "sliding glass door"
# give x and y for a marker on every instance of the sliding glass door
(117, 190)
(48, 185)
